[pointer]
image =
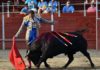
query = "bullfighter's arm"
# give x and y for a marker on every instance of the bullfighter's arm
(20, 29)
(40, 19)
(43, 20)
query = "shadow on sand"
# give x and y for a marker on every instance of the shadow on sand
(69, 68)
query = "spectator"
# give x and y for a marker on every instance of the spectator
(68, 8)
(42, 5)
(52, 6)
(92, 8)
(27, 1)
(31, 4)
(88, 1)
(24, 10)
(93, 1)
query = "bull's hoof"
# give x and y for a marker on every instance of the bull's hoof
(65, 66)
(29, 67)
(48, 67)
(38, 66)
(92, 65)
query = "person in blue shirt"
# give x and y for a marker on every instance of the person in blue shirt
(24, 10)
(27, 1)
(42, 5)
(52, 6)
(31, 4)
(68, 8)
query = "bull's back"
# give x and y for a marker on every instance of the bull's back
(56, 47)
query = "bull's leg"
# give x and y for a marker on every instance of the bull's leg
(89, 58)
(46, 64)
(42, 58)
(71, 58)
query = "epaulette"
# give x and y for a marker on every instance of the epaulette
(26, 18)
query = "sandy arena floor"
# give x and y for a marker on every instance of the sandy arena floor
(80, 62)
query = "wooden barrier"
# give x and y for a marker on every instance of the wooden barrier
(65, 23)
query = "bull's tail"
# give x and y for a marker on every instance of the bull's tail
(81, 31)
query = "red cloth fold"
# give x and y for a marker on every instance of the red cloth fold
(15, 57)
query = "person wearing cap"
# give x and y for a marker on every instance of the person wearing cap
(32, 24)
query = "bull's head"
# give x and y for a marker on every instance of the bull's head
(34, 56)
(35, 51)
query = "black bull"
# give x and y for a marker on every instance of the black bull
(47, 46)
